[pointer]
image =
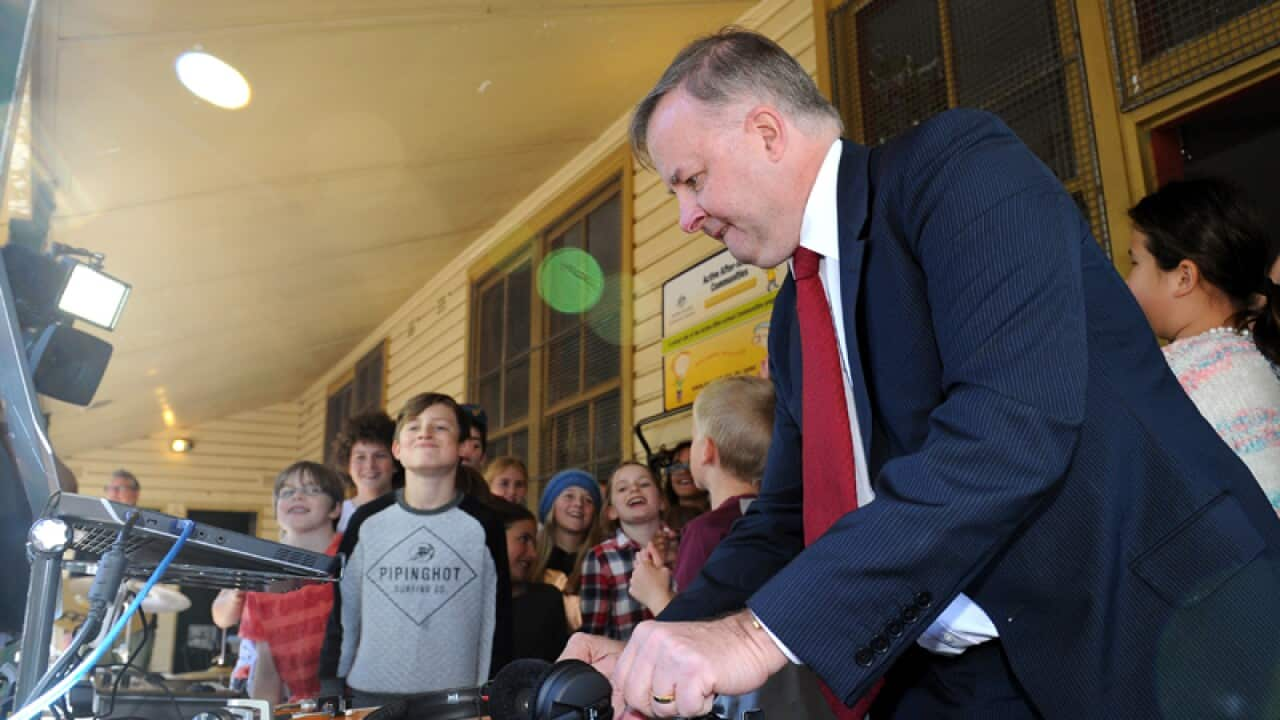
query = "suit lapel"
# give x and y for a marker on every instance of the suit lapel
(851, 203)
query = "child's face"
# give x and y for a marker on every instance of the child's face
(510, 485)
(301, 505)
(522, 549)
(371, 467)
(1153, 288)
(429, 441)
(633, 496)
(574, 510)
(681, 478)
(471, 451)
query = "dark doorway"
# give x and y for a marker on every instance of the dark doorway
(1236, 138)
(198, 639)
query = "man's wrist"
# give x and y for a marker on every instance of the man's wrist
(761, 641)
(786, 652)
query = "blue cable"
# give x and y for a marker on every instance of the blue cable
(42, 703)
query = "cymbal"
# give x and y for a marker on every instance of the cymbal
(75, 604)
(162, 598)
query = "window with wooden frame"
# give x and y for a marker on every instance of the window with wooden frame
(895, 63)
(502, 355)
(548, 375)
(1163, 45)
(361, 389)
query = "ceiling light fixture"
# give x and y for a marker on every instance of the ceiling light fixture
(213, 80)
(181, 445)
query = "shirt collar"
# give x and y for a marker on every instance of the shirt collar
(818, 228)
(625, 541)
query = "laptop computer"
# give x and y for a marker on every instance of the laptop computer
(212, 557)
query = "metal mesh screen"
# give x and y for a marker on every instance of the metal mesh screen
(897, 62)
(1163, 45)
(587, 436)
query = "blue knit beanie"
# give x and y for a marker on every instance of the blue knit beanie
(562, 481)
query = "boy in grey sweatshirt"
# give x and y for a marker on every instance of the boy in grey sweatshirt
(425, 599)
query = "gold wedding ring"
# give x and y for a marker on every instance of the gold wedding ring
(664, 699)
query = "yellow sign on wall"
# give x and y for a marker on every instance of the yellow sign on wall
(715, 323)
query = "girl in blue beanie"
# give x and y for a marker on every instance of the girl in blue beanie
(567, 510)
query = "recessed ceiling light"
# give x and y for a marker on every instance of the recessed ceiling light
(212, 80)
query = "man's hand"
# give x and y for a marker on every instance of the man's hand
(650, 579)
(595, 650)
(691, 663)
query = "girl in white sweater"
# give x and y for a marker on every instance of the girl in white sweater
(1200, 259)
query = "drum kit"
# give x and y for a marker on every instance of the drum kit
(75, 603)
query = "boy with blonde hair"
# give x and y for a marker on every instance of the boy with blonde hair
(732, 427)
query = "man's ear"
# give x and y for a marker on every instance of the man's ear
(335, 512)
(1186, 278)
(765, 123)
(395, 449)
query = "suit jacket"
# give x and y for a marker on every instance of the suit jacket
(1027, 445)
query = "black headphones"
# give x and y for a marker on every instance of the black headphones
(523, 690)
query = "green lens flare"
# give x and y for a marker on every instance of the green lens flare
(570, 281)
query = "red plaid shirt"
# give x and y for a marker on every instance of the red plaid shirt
(293, 625)
(607, 608)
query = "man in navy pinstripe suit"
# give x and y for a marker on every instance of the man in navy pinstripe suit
(1047, 527)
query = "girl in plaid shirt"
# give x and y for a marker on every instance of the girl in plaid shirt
(634, 503)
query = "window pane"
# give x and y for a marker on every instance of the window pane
(603, 360)
(561, 322)
(519, 446)
(367, 385)
(337, 410)
(498, 447)
(900, 68)
(519, 285)
(1007, 60)
(1164, 24)
(491, 392)
(563, 367)
(604, 235)
(516, 397)
(577, 437)
(569, 238)
(490, 350)
(607, 421)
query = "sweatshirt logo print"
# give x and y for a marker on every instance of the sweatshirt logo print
(420, 574)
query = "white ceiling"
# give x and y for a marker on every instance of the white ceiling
(382, 137)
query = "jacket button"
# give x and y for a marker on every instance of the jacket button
(865, 657)
(924, 600)
(910, 614)
(880, 644)
(893, 629)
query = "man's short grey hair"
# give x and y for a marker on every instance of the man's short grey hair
(126, 475)
(728, 66)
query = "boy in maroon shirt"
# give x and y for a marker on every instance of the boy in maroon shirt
(732, 427)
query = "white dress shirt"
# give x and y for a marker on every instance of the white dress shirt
(962, 624)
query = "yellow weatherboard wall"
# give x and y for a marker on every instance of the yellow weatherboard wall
(233, 466)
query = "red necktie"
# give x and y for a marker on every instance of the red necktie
(830, 487)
